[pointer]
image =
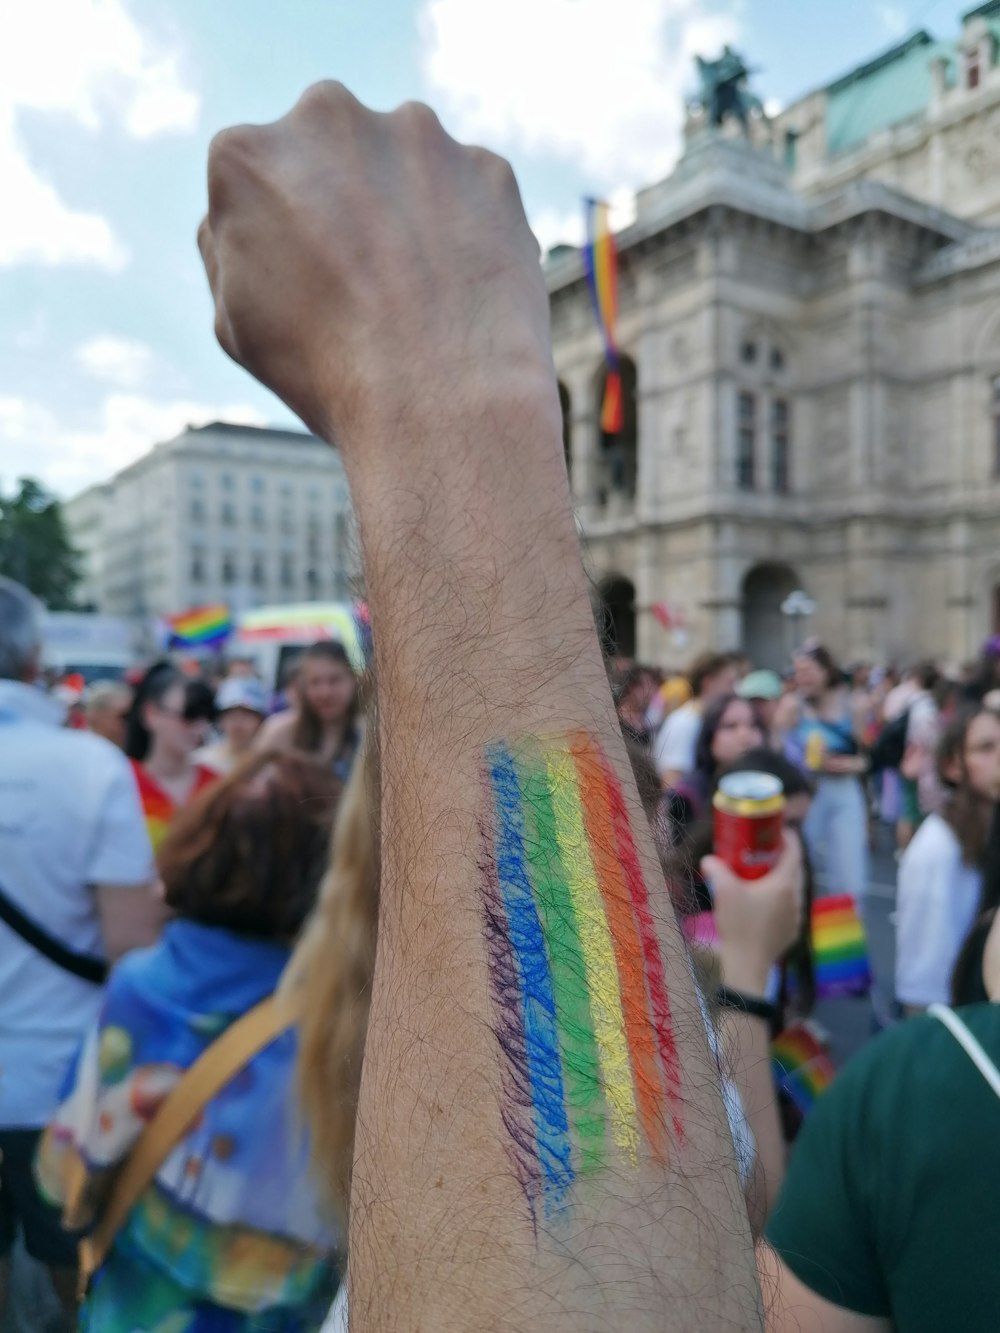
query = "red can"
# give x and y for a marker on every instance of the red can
(749, 822)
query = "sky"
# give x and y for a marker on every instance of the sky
(107, 108)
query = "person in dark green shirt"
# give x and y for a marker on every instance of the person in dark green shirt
(888, 1218)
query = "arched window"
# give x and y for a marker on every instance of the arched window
(616, 616)
(619, 453)
(565, 407)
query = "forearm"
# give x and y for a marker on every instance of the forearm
(746, 1045)
(496, 727)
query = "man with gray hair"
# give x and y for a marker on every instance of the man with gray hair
(75, 875)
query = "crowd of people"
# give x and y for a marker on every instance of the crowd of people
(249, 1060)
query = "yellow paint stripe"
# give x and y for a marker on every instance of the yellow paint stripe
(598, 953)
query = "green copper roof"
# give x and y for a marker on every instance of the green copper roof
(990, 10)
(886, 91)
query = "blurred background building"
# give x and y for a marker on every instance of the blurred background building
(810, 318)
(223, 513)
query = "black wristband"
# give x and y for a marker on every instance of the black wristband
(754, 1005)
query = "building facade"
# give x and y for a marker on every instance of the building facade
(223, 513)
(810, 324)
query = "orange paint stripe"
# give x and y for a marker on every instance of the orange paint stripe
(639, 1033)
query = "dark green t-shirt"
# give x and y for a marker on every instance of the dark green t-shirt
(891, 1206)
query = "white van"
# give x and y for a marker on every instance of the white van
(273, 636)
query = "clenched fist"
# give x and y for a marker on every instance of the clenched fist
(368, 268)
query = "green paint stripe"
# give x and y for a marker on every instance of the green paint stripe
(577, 1042)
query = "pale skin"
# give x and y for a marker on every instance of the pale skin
(756, 923)
(382, 279)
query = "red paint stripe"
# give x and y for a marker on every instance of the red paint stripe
(653, 959)
(639, 1031)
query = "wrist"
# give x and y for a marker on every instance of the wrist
(742, 973)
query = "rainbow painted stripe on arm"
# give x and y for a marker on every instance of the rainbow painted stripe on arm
(581, 1010)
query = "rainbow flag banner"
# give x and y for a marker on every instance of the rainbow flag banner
(802, 1068)
(582, 1018)
(840, 947)
(204, 627)
(600, 259)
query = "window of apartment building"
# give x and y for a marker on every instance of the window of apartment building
(286, 522)
(228, 481)
(972, 68)
(257, 519)
(257, 485)
(228, 569)
(780, 446)
(287, 572)
(748, 352)
(197, 510)
(340, 536)
(258, 576)
(228, 513)
(312, 584)
(996, 426)
(777, 360)
(197, 567)
(196, 480)
(286, 488)
(746, 440)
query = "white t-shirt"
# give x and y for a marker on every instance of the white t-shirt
(70, 818)
(677, 740)
(937, 897)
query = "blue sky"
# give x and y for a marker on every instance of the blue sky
(107, 107)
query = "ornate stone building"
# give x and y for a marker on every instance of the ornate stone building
(811, 323)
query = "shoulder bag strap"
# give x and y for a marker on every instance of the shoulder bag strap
(83, 965)
(209, 1074)
(968, 1042)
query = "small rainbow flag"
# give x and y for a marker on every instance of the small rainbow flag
(600, 259)
(802, 1068)
(204, 627)
(840, 948)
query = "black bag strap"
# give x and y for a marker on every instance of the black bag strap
(82, 965)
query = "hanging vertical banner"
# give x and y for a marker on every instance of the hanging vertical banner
(600, 260)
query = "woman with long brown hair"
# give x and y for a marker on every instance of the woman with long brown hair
(941, 871)
(324, 718)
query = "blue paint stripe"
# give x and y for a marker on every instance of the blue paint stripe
(538, 1002)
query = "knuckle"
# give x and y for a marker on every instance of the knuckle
(325, 98)
(419, 118)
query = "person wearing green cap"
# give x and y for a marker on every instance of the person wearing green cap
(764, 691)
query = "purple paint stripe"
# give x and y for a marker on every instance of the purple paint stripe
(517, 1110)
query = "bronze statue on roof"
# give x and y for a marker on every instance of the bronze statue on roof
(724, 91)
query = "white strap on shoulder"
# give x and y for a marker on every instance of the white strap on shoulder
(971, 1046)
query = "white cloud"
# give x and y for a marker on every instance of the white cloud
(596, 85)
(893, 17)
(67, 456)
(123, 362)
(89, 60)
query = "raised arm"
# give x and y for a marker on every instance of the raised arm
(541, 1142)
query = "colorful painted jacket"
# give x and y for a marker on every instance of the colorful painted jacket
(231, 1237)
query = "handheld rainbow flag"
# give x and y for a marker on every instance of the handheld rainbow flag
(802, 1068)
(840, 947)
(600, 259)
(204, 627)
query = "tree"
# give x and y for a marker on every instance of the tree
(35, 548)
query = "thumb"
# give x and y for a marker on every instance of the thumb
(715, 870)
